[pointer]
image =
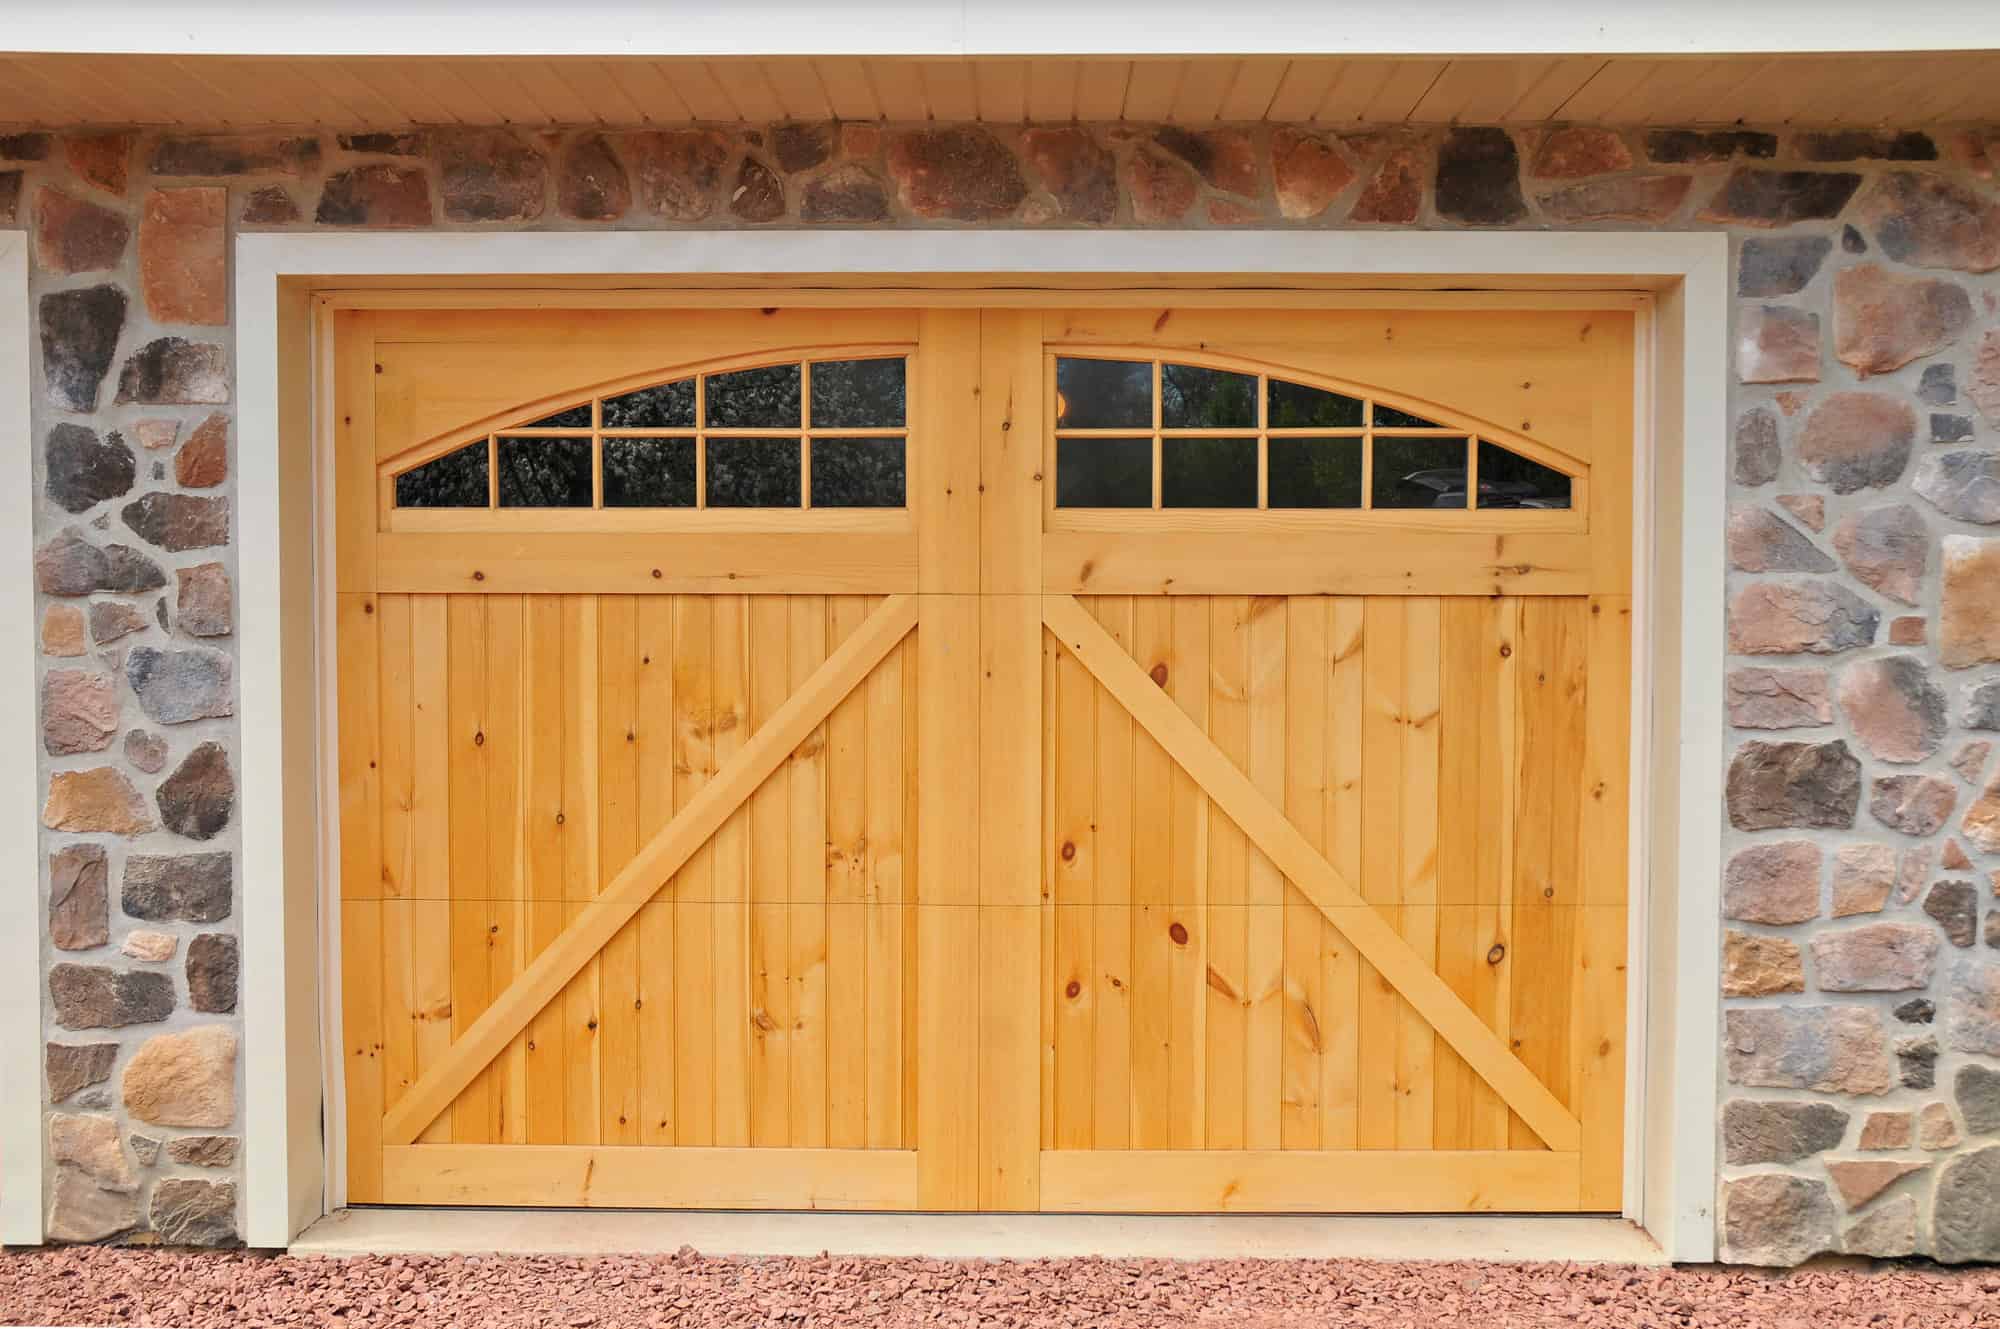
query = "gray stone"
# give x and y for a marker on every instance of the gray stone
(1775, 884)
(79, 897)
(79, 336)
(1691, 147)
(1762, 541)
(1951, 428)
(1758, 455)
(1858, 440)
(186, 1212)
(1895, 709)
(1780, 265)
(1964, 485)
(1774, 1219)
(1773, 785)
(1916, 1063)
(93, 997)
(212, 967)
(145, 1149)
(1932, 221)
(1780, 198)
(236, 154)
(1877, 957)
(175, 687)
(1912, 804)
(173, 371)
(1755, 1131)
(197, 799)
(82, 1210)
(1939, 385)
(1955, 905)
(112, 619)
(84, 471)
(1787, 618)
(1887, 548)
(1479, 177)
(70, 1067)
(70, 565)
(1972, 1007)
(178, 522)
(1887, 1233)
(1977, 1089)
(1965, 1213)
(1831, 1049)
(192, 888)
(1917, 1010)
(375, 194)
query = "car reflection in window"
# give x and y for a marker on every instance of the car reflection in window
(1444, 487)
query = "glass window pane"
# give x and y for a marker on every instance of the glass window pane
(1315, 473)
(1192, 397)
(1104, 394)
(663, 406)
(858, 394)
(1104, 472)
(455, 480)
(1420, 472)
(1208, 472)
(754, 398)
(1509, 480)
(649, 473)
(544, 472)
(1296, 406)
(1388, 417)
(570, 417)
(856, 472)
(753, 472)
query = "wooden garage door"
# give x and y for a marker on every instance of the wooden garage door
(1009, 760)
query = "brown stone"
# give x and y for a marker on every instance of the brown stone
(1931, 221)
(1753, 197)
(79, 898)
(1912, 804)
(204, 1150)
(1479, 177)
(1754, 966)
(1225, 158)
(1953, 859)
(183, 255)
(204, 462)
(1580, 150)
(1864, 875)
(151, 947)
(79, 711)
(1895, 709)
(1877, 957)
(212, 969)
(847, 193)
(1395, 193)
(1776, 785)
(800, 147)
(1860, 1180)
(1692, 147)
(1758, 456)
(269, 205)
(71, 1067)
(1777, 344)
(1937, 1128)
(1077, 170)
(1982, 820)
(72, 235)
(677, 171)
(10, 197)
(1887, 1130)
(1882, 321)
(1786, 618)
(1831, 1049)
(375, 194)
(591, 184)
(62, 631)
(1307, 172)
(184, 1079)
(1762, 541)
(860, 140)
(1858, 440)
(1771, 1218)
(1233, 212)
(111, 620)
(235, 154)
(94, 997)
(1887, 549)
(1778, 698)
(197, 799)
(1162, 189)
(1643, 198)
(205, 606)
(173, 371)
(1984, 388)
(1775, 883)
(487, 175)
(1969, 608)
(1907, 630)
(100, 799)
(103, 160)
(759, 195)
(1955, 906)
(961, 173)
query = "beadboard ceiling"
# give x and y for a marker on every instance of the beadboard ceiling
(386, 92)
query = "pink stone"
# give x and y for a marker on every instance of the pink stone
(151, 947)
(1970, 759)
(1876, 957)
(1762, 541)
(1861, 1180)
(1864, 875)
(1858, 440)
(183, 255)
(1778, 698)
(1773, 883)
(1984, 386)
(1936, 1127)
(72, 235)
(1887, 1130)
(1883, 322)
(1887, 549)
(1810, 509)
(1895, 709)
(1308, 171)
(79, 711)
(1778, 344)
(156, 434)
(1785, 618)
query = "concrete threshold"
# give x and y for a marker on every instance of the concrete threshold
(585, 1232)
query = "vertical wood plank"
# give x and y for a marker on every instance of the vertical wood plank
(1264, 887)
(1340, 965)
(1603, 864)
(694, 890)
(1111, 903)
(397, 735)
(846, 893)
(582, 877)
(360, 709)
(1305, 804)
(361, 942)
(883, 890)
(1187, 684)
(1228, 880)
(1074, 745)
(731, 881)
(807, 959)
(506, 908)
(542, 764)
(770, 886)
(1416, 1041)
(654, 762)
(1153, 945)
(617, 818)
(1379, 1016)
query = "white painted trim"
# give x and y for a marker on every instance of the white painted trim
(1005, 28)
(1672, 1193)
(21, 925)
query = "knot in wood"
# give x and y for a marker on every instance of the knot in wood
(1179, 933)
(1496, 953)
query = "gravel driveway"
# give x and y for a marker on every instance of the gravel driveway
(103, 1286)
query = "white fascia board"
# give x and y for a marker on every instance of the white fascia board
(952, 29)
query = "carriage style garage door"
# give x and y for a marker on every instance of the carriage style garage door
(1134, 759)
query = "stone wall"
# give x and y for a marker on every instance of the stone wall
(1861, 942)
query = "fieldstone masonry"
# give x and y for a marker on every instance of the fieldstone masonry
(1861, 1045)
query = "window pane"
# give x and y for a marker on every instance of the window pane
(664, 406)
(1388, 417)
(1420, 472)
(1104, 394)
(1208, 472)
(648, 472)
(455, 480)
(544, 472)
(1296, 406)
(570, 417)
(1195, 398)
(1315, 473)
(856, 472)
(1104, 472)
(753, 398)
(1509, 480)
(753, 472)
(857, 394)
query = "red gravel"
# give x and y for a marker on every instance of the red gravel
(104, 1286)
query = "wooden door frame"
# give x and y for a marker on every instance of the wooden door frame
(286, 283)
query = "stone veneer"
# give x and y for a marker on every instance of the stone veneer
(1861, 942)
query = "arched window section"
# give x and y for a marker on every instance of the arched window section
(1140, 432)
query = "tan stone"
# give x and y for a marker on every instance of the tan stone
(1888, 1232)
(1954, 859)
(99, 799)
(1887, 1130)
(1883, 322)
(184, 1079)
(183, 255)
(1863, 877)
(1754, 966)
(152, 947)
(91, 1144)
(1937, 1128)
(157, 434)
(82, 1210)
(1970, 759)
(62, 631)
(1981, 822)
(1860, 1180)
(1969, 610)
(1907, 630)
